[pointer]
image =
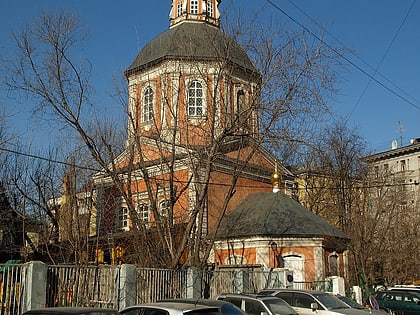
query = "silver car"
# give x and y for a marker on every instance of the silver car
(307, 302)
(168, 308)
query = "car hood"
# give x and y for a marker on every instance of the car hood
(355, 311)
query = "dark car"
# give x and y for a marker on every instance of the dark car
(225, 308)
(399, 301)
(257, 305)
(72, 311)
(170, 308)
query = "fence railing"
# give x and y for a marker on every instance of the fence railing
(114, 287)
(11, 288)
(81, 286)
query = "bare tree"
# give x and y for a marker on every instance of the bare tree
(177, 160)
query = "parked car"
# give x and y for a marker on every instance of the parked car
(257, 305)
(414, 288)
(307, 302)
(399, 300)
(351, 303)
(170, 308)
(72, 311)
(224, 307)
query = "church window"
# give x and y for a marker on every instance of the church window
(123, 217)
(210, 11)
(240, 101)
(179, 8)
(195, 99)
(194, 7)
(333, 264)
(147, 111)
(164, 207)
(143, 211)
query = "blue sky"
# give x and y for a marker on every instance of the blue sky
(380, 32)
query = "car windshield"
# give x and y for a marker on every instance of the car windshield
(279, 307)
(350, 302)
(330, 301)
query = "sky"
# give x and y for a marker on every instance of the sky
(379, 93)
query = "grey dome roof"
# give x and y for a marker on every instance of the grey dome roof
(274, 214)
(192, 41)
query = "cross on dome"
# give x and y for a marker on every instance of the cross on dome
(195, 10)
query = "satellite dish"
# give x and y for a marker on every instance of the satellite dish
(394, 144)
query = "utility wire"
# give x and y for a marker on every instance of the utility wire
(48, 159)
(381, 61)
(344, 57)
(352, 52)
(214, 184)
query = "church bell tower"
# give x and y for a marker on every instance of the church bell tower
(195, 10)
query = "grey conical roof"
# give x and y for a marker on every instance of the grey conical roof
(192, 41)
(274, 215)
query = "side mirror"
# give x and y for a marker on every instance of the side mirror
(314, 306)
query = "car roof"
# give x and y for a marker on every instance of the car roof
(71, 310)
(276, 290)
(208, 302)
(182, 307)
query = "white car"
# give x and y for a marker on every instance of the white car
(307, 302)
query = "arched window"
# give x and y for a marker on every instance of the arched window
(147, 110)
(195, 99)
(240, 101)
(194, 7)
(333, 264)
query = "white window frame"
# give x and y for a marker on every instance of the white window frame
(164, 207)
(179, 8)
(143, 210)
(210, 8)
(147, 110)
(123, 217)
(195, 110)
(194, 7)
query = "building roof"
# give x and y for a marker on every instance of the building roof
(403, 151)
(274, 215)
(192, 41)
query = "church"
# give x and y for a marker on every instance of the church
(194, 158)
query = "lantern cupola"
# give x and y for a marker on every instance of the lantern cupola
(195, 11)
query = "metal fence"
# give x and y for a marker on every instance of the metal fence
(81, 286)
(98, 286)
(11, 288)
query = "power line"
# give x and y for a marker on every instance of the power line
(38, 157)
(344, 57)
(382, 60)
(352, 52)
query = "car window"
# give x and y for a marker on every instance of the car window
(229, 309)
(134, 311)
(254, 307)
(303, 300)
(287, 296)
(234, 301)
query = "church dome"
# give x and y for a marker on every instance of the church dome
(192, 41)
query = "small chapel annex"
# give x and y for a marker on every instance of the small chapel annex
(193, 151)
